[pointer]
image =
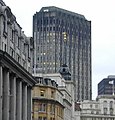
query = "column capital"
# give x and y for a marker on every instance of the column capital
(1, 64)
(24, 83)
(13, 74)
(19, 78)
(6, 68)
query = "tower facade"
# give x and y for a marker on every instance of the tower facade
(63, 37)
(107, 86)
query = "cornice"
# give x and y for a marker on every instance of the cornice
(48, 100)
(16, 68)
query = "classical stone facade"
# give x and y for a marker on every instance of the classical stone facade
(66, 87)
(15, 89)
(12, 38)
(103, 108)
(47, 100)
(16, 81)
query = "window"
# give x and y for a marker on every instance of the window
(42, 118)
(39, 118)
(105, 111)
(92, 112)
(53, 28)
(23, 63)
(52, 94)
(42, 93)
(96, 106)
(42, 107)
(5, 28)
(5, 47)
(52, 118)
(105, 103)
(50, 28)
(90, 105)
(111, 111)
(52, 108)
(111, 104)
(18, 58)
(97, 112)
(51, 21)
(18, 42)
(4, 25)
(12, 36)
(11, 52)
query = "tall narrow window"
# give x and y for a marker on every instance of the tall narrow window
(105, 111)
(52, 94)
(42, 107)
(42, 93)
(5, 28)
(111, 104)
(5, 49)
(111, 111)
(18, 42)
(105, 103)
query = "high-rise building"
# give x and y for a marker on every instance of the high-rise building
(64, 37)
(107, 86)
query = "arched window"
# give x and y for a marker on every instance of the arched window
(105, 111)
(111, 104)
(105, 103)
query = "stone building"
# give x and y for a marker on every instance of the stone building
(16, 81)
(103, 108)
(47, 100)
(13, 40)
(66, 87)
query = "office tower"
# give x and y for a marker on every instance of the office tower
(107, 86)
(63, 37)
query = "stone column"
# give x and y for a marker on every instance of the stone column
(24, 101)
(12, 115)
(1, 82)
(5, 102)
(18, 99)
(29, 103)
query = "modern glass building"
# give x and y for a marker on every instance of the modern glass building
(107, 86)
(64, 37)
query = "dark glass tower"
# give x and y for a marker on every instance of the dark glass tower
(107, 86)
(64, 37)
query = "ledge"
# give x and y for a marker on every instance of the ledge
(16, 68)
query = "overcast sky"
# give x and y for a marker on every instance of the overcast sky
(99, 12)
